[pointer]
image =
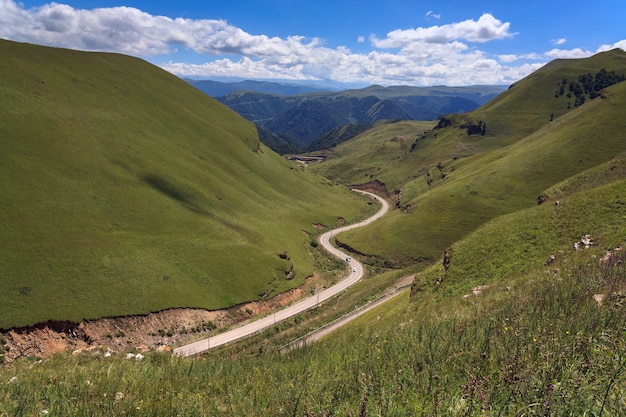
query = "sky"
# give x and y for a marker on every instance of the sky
(355, 42)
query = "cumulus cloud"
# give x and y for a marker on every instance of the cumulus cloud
(513, 57)
(584, 53)
(118, 29)
(420, 56)
(486, 28)
(508, 58)
(568, 53)
(619, 44)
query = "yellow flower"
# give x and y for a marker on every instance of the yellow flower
(506, 329)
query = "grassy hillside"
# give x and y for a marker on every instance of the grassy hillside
(125, 190)
(451, 182)
(531, 102)
(514, 114)
(515, 322)
(375, 154)
(536, 340)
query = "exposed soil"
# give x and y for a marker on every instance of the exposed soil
(139, 333)
(373, 186)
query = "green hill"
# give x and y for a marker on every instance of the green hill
(450, 182)
(379, 153)
(532, 339)
(125, 190)
(512, 320)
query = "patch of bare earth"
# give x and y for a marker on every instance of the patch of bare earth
(147, 332)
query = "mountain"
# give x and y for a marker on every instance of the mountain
(341, 134)
(125, 190)
(521, 315)
(304, 118)
(495, 160)
(217, 88)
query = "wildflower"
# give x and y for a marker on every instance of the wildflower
(506, 329)
(119, 396)
(44, 412)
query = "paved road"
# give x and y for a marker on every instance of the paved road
(356, 273)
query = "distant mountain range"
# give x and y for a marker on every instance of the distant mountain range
(295, 117)
(218, 88)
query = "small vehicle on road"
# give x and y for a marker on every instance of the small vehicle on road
(353, 269)
(348, 259)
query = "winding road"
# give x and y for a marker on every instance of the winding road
(356, 273)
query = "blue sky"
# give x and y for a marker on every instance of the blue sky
(408, 42)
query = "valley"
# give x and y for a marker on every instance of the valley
(140, 215)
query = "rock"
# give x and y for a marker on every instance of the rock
(584, 243)
(599, 298)
(479, 289)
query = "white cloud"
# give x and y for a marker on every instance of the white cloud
(119, 29)
(568, 53)
(508, 58)
(243, 68)
(619, 44)
(526, 57)
(560, 41)
(485, 29)
(580, 53)
(431, 13)
(424, 56)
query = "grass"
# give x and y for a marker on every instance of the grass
(368, 155)
(466, 192)
(539, 339)
(450, 183)
(125, 191)
(532, 343)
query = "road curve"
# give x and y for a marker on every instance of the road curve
(356, 273)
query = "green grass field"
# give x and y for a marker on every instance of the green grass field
(125, 191)
(451, 183)
(534, 342)
(374, 154)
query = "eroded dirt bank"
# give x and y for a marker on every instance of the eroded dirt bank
(148, 332)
